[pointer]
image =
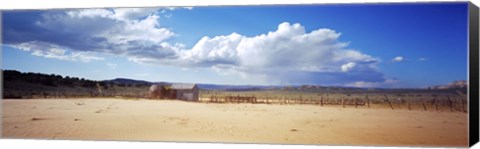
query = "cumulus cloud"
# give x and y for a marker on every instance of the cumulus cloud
(131, 32)
(289, 47)
(287, 55)
(398, 59)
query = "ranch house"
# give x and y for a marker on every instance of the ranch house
(188, 92)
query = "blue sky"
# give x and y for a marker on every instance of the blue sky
(370, 45)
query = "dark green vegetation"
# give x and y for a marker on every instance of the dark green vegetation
(37, 85)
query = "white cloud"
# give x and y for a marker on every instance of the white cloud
(84, 56)
(127, 24)
(121, 14)
(89, 13)
(131, 32)
(212, 51)
(145, 31)
(348, 66)
(166, 9)
(398, 59)
(133, 13)
(53, 51)
(288, 54)
(288, 49)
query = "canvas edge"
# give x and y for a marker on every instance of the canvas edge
(473, 73)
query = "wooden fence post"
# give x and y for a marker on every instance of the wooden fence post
(389, 102)
(450, 103)
(321, 100)
(455, 104)
(464, 97)
(423, 104)
(408, 102)
(368, 101)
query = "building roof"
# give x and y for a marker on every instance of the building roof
(182, 86)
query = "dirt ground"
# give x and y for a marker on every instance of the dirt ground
(170, 120)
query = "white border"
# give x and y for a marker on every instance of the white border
(74, 144)
(59, 4)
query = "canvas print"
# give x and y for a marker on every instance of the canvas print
(336, 74)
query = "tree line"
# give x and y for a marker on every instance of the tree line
(48, 79)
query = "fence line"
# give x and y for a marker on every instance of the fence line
(436, 103)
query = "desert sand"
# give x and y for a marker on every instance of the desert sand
(170, 120)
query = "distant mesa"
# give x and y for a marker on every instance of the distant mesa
(127, 81)
(454, 85)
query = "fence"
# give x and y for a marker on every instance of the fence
(435, 102)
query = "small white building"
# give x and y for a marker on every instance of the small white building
(188, 92)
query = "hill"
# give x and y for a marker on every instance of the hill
(38, 85)
(459, 84)
(127, 81)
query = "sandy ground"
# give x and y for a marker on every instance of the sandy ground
(168, 120)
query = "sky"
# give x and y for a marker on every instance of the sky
(360, 45)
